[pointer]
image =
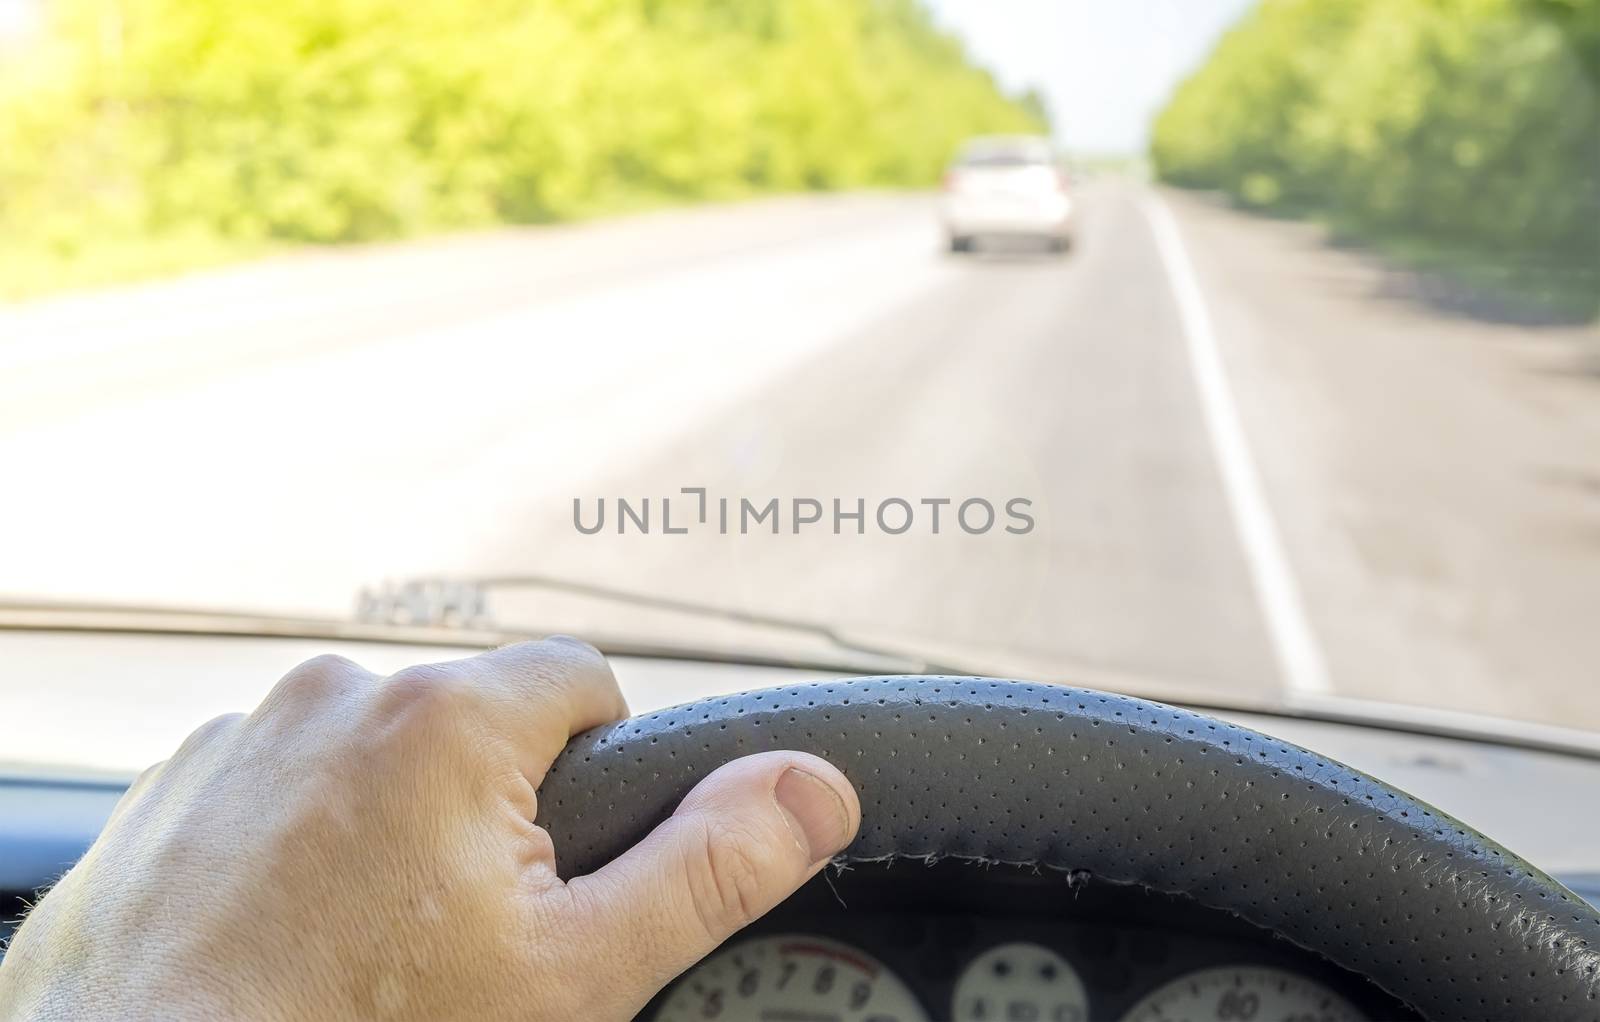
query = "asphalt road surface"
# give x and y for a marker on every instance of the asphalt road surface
(1254, 463)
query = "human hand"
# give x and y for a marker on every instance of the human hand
(364, 847)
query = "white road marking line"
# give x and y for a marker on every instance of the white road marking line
(1300, 658)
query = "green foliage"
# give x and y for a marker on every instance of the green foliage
(206, 124)
(1467, 131)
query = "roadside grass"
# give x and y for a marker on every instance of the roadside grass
(1513, 287)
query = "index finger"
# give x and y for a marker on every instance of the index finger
(539, 694)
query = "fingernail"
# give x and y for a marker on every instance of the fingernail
(815, 812)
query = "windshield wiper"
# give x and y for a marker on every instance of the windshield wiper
(464, 602)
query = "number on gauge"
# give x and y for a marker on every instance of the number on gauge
(1019, 982)
(1245, 994)
(790, 977)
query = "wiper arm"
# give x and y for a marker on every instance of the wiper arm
(444, 602)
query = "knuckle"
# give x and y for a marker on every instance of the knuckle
(148, 774)
(147, 779)
(328, 663)
(204, 736)
(575, 648)
(320, 677)
(725, 879)
(425, 694)
(566, 657)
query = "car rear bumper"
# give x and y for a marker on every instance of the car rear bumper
(971, 216)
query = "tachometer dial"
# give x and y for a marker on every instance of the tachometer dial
(790, 977)
(1243, 994)
(1019, 981)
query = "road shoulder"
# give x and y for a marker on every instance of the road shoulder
(1437, 476)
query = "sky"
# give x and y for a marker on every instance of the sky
(16, 16)
(1106, 67)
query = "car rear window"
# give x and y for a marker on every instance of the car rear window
(1006, 155)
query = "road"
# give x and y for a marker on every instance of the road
(1367, 495)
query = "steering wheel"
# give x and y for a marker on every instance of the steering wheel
(1133, 792)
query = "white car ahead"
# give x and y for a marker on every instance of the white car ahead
(1007, 187)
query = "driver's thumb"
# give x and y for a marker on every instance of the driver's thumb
(743, 840)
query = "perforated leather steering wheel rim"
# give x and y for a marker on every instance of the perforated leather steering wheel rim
(1131, 792)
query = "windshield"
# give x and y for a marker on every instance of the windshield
(1217, 346)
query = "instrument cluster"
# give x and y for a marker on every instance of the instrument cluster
(786, 977)
(914, 946)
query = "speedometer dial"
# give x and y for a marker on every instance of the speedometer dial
(1243, 994)
(1020, 981)
(790, 977)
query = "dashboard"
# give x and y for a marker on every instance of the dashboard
(903, 942)
(976, 943)
(963, 941)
